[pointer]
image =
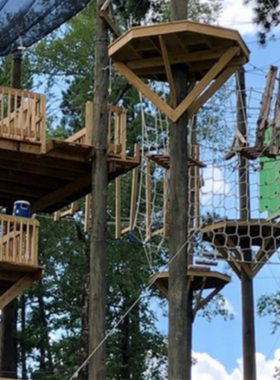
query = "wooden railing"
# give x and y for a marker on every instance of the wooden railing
(22, 116)
(19, 240)
(116, 138)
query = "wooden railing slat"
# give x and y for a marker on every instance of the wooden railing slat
(19, 240)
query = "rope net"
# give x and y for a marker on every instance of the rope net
(234, 192)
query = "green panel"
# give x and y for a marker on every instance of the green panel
(269, 182)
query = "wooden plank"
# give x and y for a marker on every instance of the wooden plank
(265, 106)
(148, 199)
(211, 74)
(111, 25)
(89, 123)
(133, 201)
(274, 147)
(145, 90)
(177, 58)
(87, 213)
(166, 204)
(168, 71)
(183, 27)
(225, 255)
(62, 193)
(77, 136)
(220, 80)
(105, 5)
(118, 208)
(18, 287)
(204, 301)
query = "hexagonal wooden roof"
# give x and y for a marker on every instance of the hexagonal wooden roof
(199, 46)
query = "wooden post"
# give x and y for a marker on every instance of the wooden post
(8, 347)
(247, 292)
(179, 337)
(98, 246)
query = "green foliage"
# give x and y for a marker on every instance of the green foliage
(54, 334)
(207, 12)
(269, 305)
(267, 16)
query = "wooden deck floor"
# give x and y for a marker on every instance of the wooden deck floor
(51, 180)
(200, 278)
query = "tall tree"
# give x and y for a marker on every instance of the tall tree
(267, 16)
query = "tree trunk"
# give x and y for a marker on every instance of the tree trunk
(22, 337)
(8, 362)
(98, 248)
(179, 338)
(9, 341)
(83, 354)
(46, 363)
(247, 291)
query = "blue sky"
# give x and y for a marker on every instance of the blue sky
(219, 344)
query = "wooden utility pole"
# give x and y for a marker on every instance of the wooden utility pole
(247, 291)
(8, 351)
(180, 308)
(98, 247)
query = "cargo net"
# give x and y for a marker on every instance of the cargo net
(234, 189)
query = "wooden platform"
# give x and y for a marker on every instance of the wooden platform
(164, 160)
(51, 180)
(199, 280)
(212, 280)
(211, 55)
(251, 153)
(14, 278)
(231, 238)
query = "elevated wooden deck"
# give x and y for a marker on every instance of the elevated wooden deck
(232, 238)
(211, 55)
(164, 160)
(251, 152)
(53, 174)
(199, 280)
(18, 256)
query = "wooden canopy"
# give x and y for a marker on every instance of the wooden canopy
(210, 54)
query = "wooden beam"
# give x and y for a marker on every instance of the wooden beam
(187, 58)
(265, 106)
(145, 90)
(111, 25)
(204, 301)
(118, 208)
(133, 201)
(239, 256)
(62, 193)
(275, 138)
(17, 288)
(206, 80)
(87, 213)
(168, 71)
(148, 199)
(166, 204)
(220, 80)
(225, 255)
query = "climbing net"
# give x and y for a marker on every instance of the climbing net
(234, 194)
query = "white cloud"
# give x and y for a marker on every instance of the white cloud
(215, 185)
(208, 368)
(238, 16)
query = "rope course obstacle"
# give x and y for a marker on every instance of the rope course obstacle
(233, 202)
